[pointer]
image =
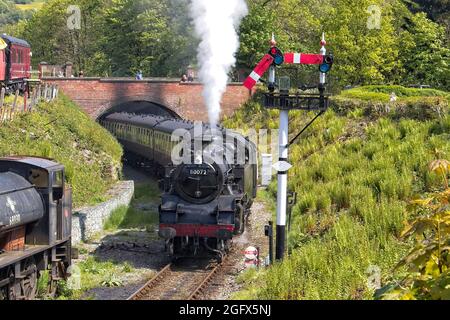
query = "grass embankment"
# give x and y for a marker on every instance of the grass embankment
(354, 172)
(61, 131)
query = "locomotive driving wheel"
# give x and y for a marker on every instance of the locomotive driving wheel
(13, 290)
(25, 288)
(29, 283)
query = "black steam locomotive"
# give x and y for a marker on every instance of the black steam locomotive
(207, 193)
(35, 225)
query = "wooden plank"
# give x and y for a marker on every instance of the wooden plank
(2, 97)
(45, 91)
(15, 99)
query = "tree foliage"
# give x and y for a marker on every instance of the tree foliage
(145, 35)
(119, 37)
(425, 57)
(406, 47)
(9, 13)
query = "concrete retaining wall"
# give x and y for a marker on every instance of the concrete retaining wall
(86, 222)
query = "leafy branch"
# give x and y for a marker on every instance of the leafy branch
(428, 264)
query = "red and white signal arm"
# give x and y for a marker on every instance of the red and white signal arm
(259, 71)
(303, 58)
(289, 58)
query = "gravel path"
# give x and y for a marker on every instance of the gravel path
(225, 284)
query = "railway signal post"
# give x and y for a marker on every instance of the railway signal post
(282, 100)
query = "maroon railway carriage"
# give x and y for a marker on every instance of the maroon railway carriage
(15, 64)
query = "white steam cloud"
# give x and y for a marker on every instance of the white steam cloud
(216, 23)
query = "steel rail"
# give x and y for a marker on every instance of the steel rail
(206, 281)
(145, 290)
(150, 284)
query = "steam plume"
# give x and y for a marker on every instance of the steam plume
(216, 23)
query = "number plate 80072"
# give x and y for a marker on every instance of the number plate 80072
(198, 172)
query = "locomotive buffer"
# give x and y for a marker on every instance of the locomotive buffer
(284, 101)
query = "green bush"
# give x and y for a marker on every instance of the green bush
(375, 101)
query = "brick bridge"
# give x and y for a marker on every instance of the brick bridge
(99, 96)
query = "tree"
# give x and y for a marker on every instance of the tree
(9, 14)
(54, 42)
(363, 55)
(147, 35)
(255, 32)
(425, 58)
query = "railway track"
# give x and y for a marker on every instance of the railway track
(182, 281)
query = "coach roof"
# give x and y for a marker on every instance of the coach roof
(12, 40)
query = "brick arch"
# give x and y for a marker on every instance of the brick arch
(97, 95)
(136, 105)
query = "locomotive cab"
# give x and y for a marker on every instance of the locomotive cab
(47, 178)
(35, 223)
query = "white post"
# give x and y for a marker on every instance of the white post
(282, 186)
(266, 170)
(323, 52)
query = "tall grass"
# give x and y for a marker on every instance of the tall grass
(353, 184)
(134, 216)
(62, 131)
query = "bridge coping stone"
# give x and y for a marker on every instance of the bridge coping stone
(131, 80)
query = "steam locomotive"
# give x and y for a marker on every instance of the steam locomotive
(207, 194)
(35, 225)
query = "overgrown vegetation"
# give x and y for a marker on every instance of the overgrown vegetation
(61, 131)
(93, 273)
(428, 264)
(356, 171)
